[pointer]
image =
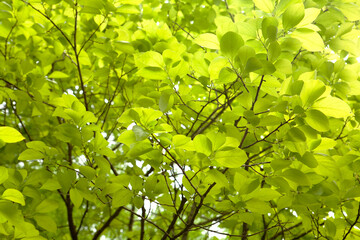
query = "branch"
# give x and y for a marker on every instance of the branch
(354, 223)
(83, 216)
(285, 230)
(70, 218)
(147, 220)
(52, 22)
(142, 222)
(107, 223)
(175, 217)
(276, 129)
(198, 207)
(21, 122)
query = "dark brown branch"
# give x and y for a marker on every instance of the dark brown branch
(52, 22)
(107, 223)
(131, 220)
(142, 222)
(70, 218)
(83, 217)
(147, 220)
(197, 209)
(285, 230)
(21, 122)
(175, 217)
(354, 223)
(7, 38)
(275, 130)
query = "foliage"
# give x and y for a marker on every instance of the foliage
(179, 119)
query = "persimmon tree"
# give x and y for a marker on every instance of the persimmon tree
(179, 119)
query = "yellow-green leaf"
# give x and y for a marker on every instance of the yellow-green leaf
(208, 40)
(14, 196)
(10, 135)
(333, 107)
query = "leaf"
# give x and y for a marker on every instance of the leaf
(47, 205)
(149, 59)
(216, 66)
(57, 74)
(333, 107)
(293, 15)
(296, 176)
(46, 222)
(31, 154)
(203, 144)
(10, 135)
(88, 172)
(140, 133)
(230, 44)
(309, 160)
(232, 159)
(226, 75)
(76, 197)
(296, 135)
(14, 196)
(4, 175)
(253, 64)
(265, 194)
(219, 178)
(317, 120)
(310, 15)
(207, 40)
(121, 198)
(309, 39)
(311, 90)
(264, 5)
(166, 102)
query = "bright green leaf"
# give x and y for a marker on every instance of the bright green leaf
(14, 196)
(10, 135)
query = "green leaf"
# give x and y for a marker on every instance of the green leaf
(166, 102)
(264, 5)
(311, 90)
(230, 44)
(293, 15)
(274, 51)
(253, 64)
(310, 15)
(231, 159)
(296, 135)
(46, 222)
(226, 75)
(10, 135)
(76, 197)
(47, 205)
(265, 194)
(121, 198)
(4, 175)
(296, 176)
(207, 40)
(88, 172)
(219, 178)
(317, 120)
(246, 52)
(216, 66)
(203, 144)
(140, 133)
(309, 39)
(31, 154)
(14, 196)
(333, 107)
(309, 160)
(57, 74)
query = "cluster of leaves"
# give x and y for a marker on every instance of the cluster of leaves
(169, 119)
